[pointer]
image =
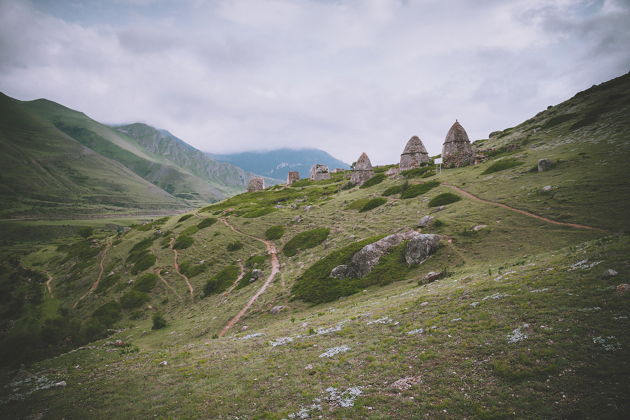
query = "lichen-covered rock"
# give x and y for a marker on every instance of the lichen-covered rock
(319, 172)
(420, 247)
(426, 221)
(432, 276)
(544, 165)
(414, 155)
(256, 184)
(457, 150)
(363, 261)
(362, 170)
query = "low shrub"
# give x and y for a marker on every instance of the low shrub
(183, 242)
(376, 179)
(108, 314)
(158, 322)
(372, 204)
(107, 282)
(234, 246)
(133, 299)
(417, 172)
(86, 232)
(502, 165)
(145, 283)
(255, 261)
(443, 199)
(357, 204)
(347, 186)
(191, 230)
(305, 240)
(396, 189)
(184, 217)
(221, 281)
(207, 222)
(417, 189)
(191, 270)
(144, 261)
(259, 212)
(274, 232)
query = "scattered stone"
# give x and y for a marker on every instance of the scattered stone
(384, 320)
(281, 341)
(333, 351)
(254, 335)
(308, 208)
(622, 289)
(479, 227)
(416, 331)
(547, 188)
(276, 309)
(545, 164)
(426, 221)
(344, 399)
(297, 219)
(404, 384)
(420, 247)
(609, 273)
(364, 260)
(457, 150)
(361, 170)
(414, 154)
(256, 184)
(518, 334)
(544, 289)
(308, 367)
(244, 328)
(424, 303)
(292, 177)
(256, 274)
(432, 276)
(474, 304)
(319, 172)
(60, 384)
(608, 343)
(163, 363)
(496, 296)
(584, 265)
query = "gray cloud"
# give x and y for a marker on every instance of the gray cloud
(346, 76)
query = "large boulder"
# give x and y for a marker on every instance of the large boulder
(420, 247)
(363, 261)
(544, 165)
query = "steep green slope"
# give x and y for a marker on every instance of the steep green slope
(46, 172)
(527, 320)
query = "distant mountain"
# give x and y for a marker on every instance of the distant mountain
(277, 163)
(57, 160)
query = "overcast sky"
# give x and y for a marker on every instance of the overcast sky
(345, 76)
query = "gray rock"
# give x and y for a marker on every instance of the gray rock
(610, 273)
(363, 261)
(479, 227)
(432, 276)
(276, 309)
(426, 221)
(544, 164)
(297, 219)
(308, 208)
(420, 247)
(60, 384)
(547, 188)
(163, 363)
(256, 274)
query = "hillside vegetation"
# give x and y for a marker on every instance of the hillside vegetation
(521, 312)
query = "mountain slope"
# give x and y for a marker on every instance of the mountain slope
(277, 163)
(45, 171)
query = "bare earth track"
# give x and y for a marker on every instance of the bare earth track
(100, 273)
(176, 265)
(158, 272)
(275, 269)
(523, 212)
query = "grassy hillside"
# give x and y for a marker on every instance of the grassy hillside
(525, 321)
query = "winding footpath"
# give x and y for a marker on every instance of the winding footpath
(239, 278)
(49, 284)
(158, 272)
(523, 212)
(275, 269)
(176, 265)
(100, 273)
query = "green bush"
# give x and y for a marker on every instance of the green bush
(234, 246)
(274, 232)
(209, 221)
(133, 299)
(417, 189)
(417, 172)
(376, 179)
(140, 257)
(443, 199)
(158, 322)
(357, 204)
(259, 212)
(145, 261)
(191, 270)
(190, 230)
(146, 282)
(107, 282)
(347, 186)
(305, 240)
(108, 314)
(304, 182)
(373, 203)
(396, 189)
(184, 217)
(86, 232)
(501, 165)
(183, 242)
(221, 281)
(255, 261)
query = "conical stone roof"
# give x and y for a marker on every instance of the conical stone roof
(457, 150)
(363, 164)
(414, 154)
(414, 145)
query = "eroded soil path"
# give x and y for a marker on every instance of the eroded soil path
(176, 265)
(275, 269)
(103, 254)
(240, 277)
(523, 212)
(158, 272)
(49, 283)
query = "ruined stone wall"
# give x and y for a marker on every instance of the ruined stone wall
(256, 184)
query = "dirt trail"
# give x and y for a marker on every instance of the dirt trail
(275, 269)
(49, 283)
(158, 272)
(100, 273)
(523, 212)
(176, 265)
(240, 277)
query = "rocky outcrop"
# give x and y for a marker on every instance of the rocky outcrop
(256, 184)
(414, 155)
(362, 170)
(457, 150)
(544, 165)
(420, 247)
(319, 172)
(426, 221)
(292, 177)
